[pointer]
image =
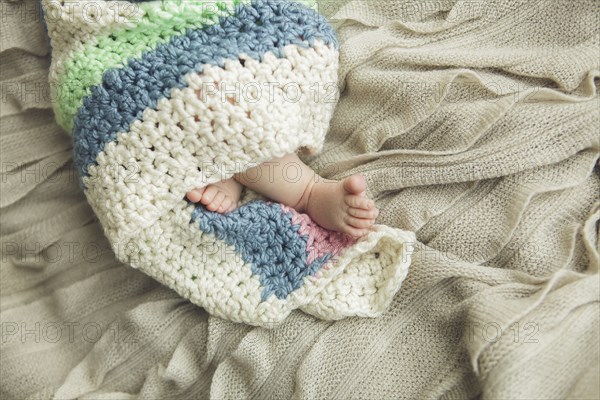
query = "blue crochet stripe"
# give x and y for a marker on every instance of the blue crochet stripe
(256, 28)
(265, 237)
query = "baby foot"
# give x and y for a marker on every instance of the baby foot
(221, 197)
(340, 206)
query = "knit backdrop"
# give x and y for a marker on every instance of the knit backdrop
(476, 126)
(162, 97)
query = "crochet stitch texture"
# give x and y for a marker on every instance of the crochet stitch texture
(165, 96)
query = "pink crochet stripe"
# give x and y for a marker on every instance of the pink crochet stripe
(320, 241)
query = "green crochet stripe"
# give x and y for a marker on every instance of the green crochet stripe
(159, 23)
(311, 3)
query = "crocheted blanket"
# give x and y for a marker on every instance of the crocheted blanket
(163, 97)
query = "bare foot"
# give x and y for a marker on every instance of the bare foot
(221, 197)
(340, 206)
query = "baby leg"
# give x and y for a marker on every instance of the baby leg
(336, 205)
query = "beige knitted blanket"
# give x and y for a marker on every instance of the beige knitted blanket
(476, 125)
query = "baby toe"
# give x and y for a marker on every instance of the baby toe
(359, 223)
(209, 194)
(195, 195)
(366, 214)
(355, 184)
(216, 202)
(225, 205)
(359, 202)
